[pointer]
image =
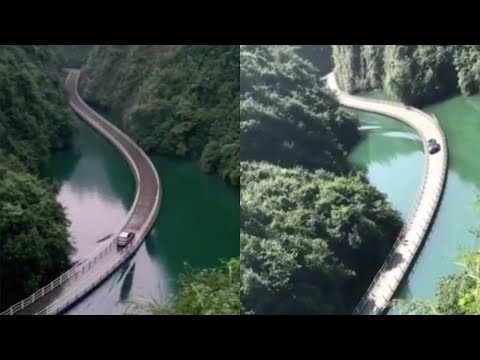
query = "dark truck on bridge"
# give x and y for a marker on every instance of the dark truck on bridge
(433, 146)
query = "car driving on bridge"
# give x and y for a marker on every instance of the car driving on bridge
(433, 146)
(125, 238)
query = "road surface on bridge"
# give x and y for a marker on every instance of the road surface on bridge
(379, 295)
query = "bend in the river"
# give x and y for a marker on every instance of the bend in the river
(84, 277)
(378, 296)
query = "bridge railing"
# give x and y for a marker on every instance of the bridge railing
(98, 254)
(94, 279)
(418, 205)
(78, 269)
(399, 240)
(419, 201)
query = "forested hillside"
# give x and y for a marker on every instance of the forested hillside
(416, 74)
(173, 100)
(73, 55)
(34, 121)
(285, 117)
(319, 55)
(312, 234)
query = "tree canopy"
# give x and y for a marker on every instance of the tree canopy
(416, 74)
(319, 55)
(285, 116)
(34, 121)
(73, 55)
(34, 114)
(311, 241)
(33, 235)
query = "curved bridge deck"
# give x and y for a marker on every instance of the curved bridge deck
(82, 278)
(379, 294)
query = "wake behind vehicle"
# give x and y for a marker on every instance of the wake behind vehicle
(433, 146)
(125, 238)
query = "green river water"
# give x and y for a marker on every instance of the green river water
(392, 155)
(197, 224)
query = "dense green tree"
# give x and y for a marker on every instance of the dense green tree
(33, 235)
(285, 116)
(34, 115)
(347, 66)
(416, 74)
(34, 121)
(467, 64)
(311, 242)
(173, 100)
(419, 74)
(73, 55)
(319, 55)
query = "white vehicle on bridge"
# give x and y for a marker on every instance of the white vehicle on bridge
(125, 238)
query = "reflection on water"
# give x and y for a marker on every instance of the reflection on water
(392, 157)
(400, 135)
(127, 284)
(369, 127)
(86, 190)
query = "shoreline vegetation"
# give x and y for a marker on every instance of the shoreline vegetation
(418, 75)
(174, 100)
(34, 121)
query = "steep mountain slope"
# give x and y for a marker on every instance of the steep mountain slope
(173, 100)
(34, 121)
